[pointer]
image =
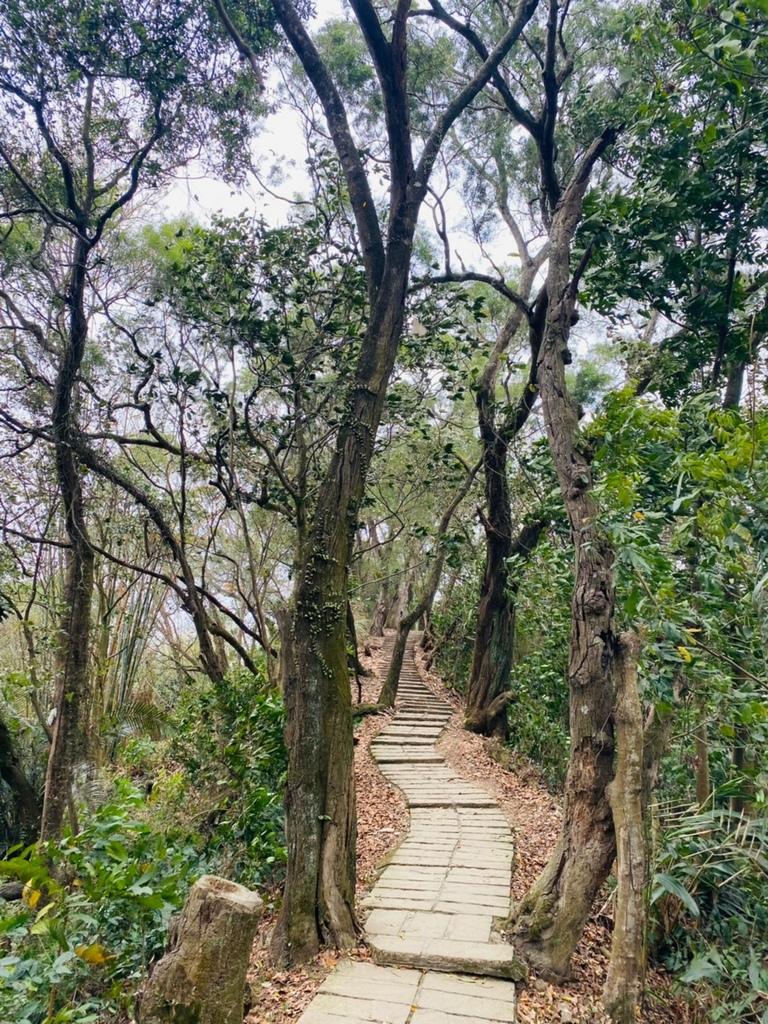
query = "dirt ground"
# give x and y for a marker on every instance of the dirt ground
(281, 996)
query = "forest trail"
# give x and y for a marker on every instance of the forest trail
(430, 925)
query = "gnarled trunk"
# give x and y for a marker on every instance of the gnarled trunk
(550, 919)
(488, 693)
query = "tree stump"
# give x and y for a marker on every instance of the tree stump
(201, 979)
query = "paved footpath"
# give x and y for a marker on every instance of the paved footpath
(430, 926)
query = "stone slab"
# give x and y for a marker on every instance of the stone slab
(451, 955)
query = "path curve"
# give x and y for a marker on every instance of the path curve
(432, 910)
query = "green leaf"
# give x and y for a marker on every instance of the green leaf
(701, 968)
(666, 883)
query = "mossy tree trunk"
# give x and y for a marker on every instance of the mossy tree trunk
(550, 919)
(72, 692)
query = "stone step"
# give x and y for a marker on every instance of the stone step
(451, 955)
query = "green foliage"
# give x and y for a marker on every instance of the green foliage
(229, 742)
(95, 911)
(687, 239)
(709, 910)
(454, 623)
(538, 720)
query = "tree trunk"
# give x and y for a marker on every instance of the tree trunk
(26, 805)
(488, 691)
(400, 603)
(494, 639)
(201, 979)
(551, 917)
(623, 989)
(318, 905)
(72, 693)
(701, 745)
(381, 611)
(283, 619)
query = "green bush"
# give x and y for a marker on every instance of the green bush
(94, 915)
(454, 628)
(228, 742)
(709, 911)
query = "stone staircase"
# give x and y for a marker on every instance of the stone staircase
(430, 920)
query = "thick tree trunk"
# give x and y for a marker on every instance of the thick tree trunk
(488, 692)
(319, 893)
(27, 809)
(318, 905)
(550, 919)
(381, 611)
(70, 745)
(623, 989)
(400, 603)
(201, 979)
(494, 639)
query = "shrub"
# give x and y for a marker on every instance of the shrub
(230, 749)
(709, 911)
(93, 917)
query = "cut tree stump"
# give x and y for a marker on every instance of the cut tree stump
(201, 979)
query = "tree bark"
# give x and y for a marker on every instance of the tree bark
(623, 989)
(397, 608)
(201, 979)
(72, 693)
(283, 619)
(488, 691)
(381, 611)
(701, 745)
(549, 921)
(27, 809)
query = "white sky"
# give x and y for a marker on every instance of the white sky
(280, 135)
